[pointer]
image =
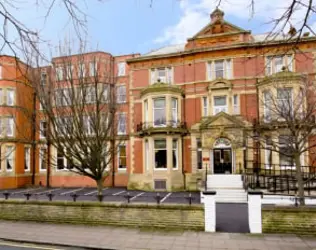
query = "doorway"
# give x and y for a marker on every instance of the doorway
(222, 161)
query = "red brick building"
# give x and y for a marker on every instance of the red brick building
(187, 108)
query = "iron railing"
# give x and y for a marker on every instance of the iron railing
(143, 126)
(278, 178)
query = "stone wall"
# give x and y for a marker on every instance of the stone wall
(170, 217)
(289, 220)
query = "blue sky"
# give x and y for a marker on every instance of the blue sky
(131, 26)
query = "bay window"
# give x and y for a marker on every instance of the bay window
(93, 68)
(9, 158)
(42, 159)
(146, 154)
(60, 159)
(10, 97)
(160, 146)
(146, 112)
(267, 98)
(159, 112)
(285, 156)
(220, 104)
(10, 126)
(220, 69)
(174, 111)
(284, 102)
(81, 70)
(27, 158)
(164, 75)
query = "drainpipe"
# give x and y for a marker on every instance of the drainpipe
(182, 145)
(33, 138)
(112, 91)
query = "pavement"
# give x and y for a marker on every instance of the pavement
(100, 237)
(11, 245)
(110, 195)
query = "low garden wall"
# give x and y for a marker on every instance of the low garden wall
(170, 217)
(301, 220)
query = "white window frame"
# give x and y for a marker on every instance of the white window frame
(175, 150)
(121, 123)
(121, 94)
(167, 78)
(282, 100)
(59, 73)
(166, 149)
(271, 63)
(81, 70)
(90, 95)
(10, 97)
(64, 161)
(227, 69)
(93, 68)
(119, 158)
(199, 149)
(121, 69)
(10, 151)
(236, 104)
(204, 106)
(174, 111)
(220, 108)
(267, 102)
(27, 158)
(10, 127)
(146, 154)
(146, 115)
(42, 157)
(43, 130)
(69, 72)
(164, 108)
(43, 79)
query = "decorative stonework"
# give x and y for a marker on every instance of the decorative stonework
(222, 143)
(162, 87)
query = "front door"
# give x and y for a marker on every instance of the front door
(222, 161)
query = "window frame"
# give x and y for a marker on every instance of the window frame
(42, 157)
(120, 123)
(10, 124)
(220, 106)
(154, 75)
(158, 149)
(199, 153)
(227, 69)
(205, 105)
(119, 156)
(175, 152)
(121, 94)
(164, 121)
(8, 158)
(10, 97)
(174, 111)
(27, 158)
(121, 68)
(43, 129)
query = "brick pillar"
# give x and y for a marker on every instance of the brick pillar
(209, 211)
(254, 212)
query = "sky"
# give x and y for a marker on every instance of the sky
(136, 26)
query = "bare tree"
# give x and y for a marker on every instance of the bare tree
(80, 114)
(287, 124)
(295, 19)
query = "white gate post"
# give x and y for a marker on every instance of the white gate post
(209, 211)
(254, 212)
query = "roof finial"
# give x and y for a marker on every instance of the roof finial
(217, 15)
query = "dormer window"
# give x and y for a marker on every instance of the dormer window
(275, 64)
(220, 69)
(163, 75)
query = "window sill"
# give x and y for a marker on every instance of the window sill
(160, 169)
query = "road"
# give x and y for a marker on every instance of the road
(8, 245)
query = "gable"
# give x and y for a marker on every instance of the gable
(222, 120)
(218, 32)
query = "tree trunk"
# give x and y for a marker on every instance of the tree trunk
(300, 183)
(100, 186)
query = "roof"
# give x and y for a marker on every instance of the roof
(178, 48)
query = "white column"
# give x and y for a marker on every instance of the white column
(209, 211)
(254, 212)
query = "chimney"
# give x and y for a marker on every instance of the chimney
(217, 15)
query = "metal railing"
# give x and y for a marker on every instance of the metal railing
(278, 178)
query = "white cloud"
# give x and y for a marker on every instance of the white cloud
(195, 15)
